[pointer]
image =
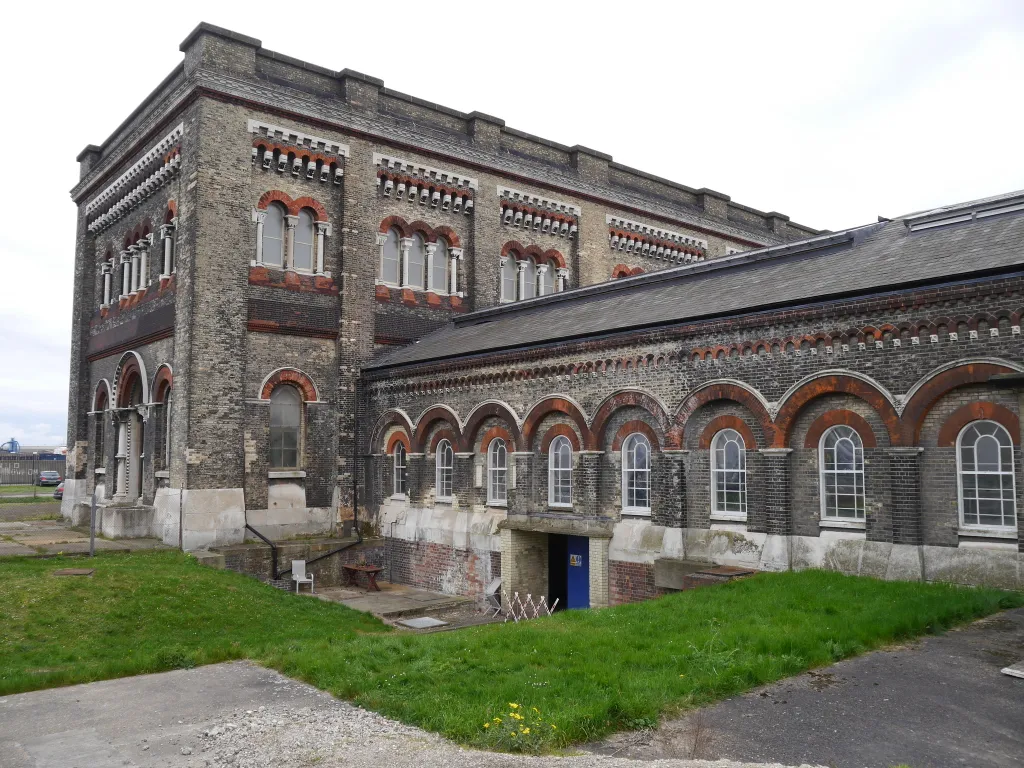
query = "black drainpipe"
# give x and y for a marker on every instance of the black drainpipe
(273, 551)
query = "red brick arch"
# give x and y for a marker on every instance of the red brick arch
(389, 419)
(292, 206)
(837, 384)
(983, 409)
(485, 411)
(721, 391)
(424, 229)
(398, 437)
(292, 376)
(494, 432)
(563, 430)
(727, 421)
(444, 434)
(632, 427)
(101, 397)
(395, 222)
(927, 394)
(630, 397)
(554, 404)
(834, 418)
(161, 383)
(448, 234)
(428, 419)
(619, 271)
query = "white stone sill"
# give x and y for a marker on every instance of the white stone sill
(399, 497)
(552, 505)
(722, 517)
(987, 533)
(497, 504)
(286, 474)
(844, 525)
(458, 294)
(636, 512)
(164, 474)
(100, 471)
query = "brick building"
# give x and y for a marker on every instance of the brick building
(261, 240)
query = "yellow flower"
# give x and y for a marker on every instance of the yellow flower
(487, 725)
(513, 705)
(535, 710)
(513, 734)
(682, 675)
(525, 731)
(554, 727)
(497, 719)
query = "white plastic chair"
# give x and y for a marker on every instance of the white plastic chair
(299, 575)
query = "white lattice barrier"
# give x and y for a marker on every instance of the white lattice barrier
(518, 609)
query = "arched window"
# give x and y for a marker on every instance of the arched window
(391, 260)
(439, 269)
(497, 472)
(636, 474)
(842, 474)
(546, 279)
(401, 474)
(985, 468)
(417, 261)
(509, 276)
(273, 235)
(729, 474)
(560, 472)
(302, 251)
(444, 460)
(530, 280)
(285, 422)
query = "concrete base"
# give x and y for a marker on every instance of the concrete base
(287, 522)
(213, 517)
(117, 522)
(74, 494)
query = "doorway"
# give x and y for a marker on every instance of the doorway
(569, 571)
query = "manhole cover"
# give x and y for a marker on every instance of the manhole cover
(75, 572)
(423, 622)
(1014, 670)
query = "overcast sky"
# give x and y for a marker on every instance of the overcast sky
(831, 113)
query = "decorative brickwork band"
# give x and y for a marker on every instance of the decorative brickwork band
(905, 482)
(777, 511)
(840, 416)
(726, 421)
(965, 414)
(292, 376)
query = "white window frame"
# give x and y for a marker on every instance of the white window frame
(420, 242)
(312, 241)
(496, 473)
(980, 527)
(557, 473)
(276, 207)
(508, 262)
(444, 470)
(398, 262)
(717, 510)
(629, 468)
(857, 473)
(399, 476)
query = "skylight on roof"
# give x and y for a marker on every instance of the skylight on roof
(947, 217)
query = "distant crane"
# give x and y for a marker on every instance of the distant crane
(11, 446)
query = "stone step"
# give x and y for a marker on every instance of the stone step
(676, 574)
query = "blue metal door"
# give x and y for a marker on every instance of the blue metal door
(579, 572)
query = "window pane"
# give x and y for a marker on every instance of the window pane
(439, 274)
(417, 261)
(508, 278)
(530, 282)
(273, 235)
(302, 250)
(391, 259)
(285, 420)
(547, 284)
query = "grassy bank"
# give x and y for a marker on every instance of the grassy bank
(586, 672)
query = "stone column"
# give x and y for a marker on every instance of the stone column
(521, 279)
(105, 271)
(260, 217)
(599, 571)
(126, 275)
(562, 275)
(905, 485)
(121, 483)
(144, 245)
(541, 271)
(322, 230)
(406, 244)
(167, 238)
(133, 284)
(453, 276)
(431, 252)
(289, 241)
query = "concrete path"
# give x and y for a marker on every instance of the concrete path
(393, 600)
(236, 715)
(940, 702)
(20, 534)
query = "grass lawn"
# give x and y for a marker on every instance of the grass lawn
(587, 672)
(6, 490)
(45, 497)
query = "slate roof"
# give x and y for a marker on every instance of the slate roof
(984, 237)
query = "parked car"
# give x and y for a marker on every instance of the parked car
(58, 492)
(49, 477)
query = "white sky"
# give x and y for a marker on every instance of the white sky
(831, 113)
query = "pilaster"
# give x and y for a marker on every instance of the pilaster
(777, 502)
(905, 487)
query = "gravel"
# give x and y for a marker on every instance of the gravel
(339, 734)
